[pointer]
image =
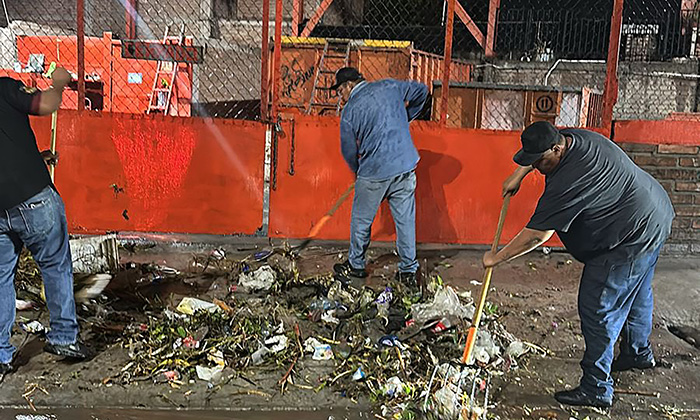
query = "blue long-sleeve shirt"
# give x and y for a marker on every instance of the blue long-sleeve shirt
(374, 135)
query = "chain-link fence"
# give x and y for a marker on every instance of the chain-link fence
(28, 45)
(180, 58)
(659, 59)
(534, 60)
(512, 61)
(381, 38)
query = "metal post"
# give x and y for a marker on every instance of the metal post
(265, 56)
(448, 59)
(491, 28)
(81, 54)
(277, 59)
(297, 16)
(130, 7)
(318, 14)
(611, 81)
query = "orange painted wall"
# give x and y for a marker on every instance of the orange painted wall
(206, 176)
(178, 175)
(658, 132)
(458, 193)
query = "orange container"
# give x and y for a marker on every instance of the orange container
(301, 67)
(113, 83)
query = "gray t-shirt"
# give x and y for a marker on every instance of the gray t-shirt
(602, 205)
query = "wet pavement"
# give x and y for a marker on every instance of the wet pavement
(132, 414)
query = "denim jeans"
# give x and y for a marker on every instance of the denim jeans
(615, 301)
(400, 192)
(40, 224)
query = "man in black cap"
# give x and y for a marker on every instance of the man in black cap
(613, 217)
(376, 143)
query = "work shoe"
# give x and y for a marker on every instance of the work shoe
(407, 279)
(410, 280)
(5, 368)
(346, 270)
(577, 396)
(623, 363)
(75, 351)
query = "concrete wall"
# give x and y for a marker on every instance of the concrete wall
(647, 90)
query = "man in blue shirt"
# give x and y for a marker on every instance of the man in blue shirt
(376, 143)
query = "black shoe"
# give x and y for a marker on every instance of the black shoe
(407, 279)
(623, 363)
(5, 368)
(346, 270)
(75, 351)
(577, 396)
(410, 280)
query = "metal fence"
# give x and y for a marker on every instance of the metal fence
(29, 44)
(658, 52)
(511, 61)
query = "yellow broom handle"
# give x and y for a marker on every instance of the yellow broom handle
(471, 337)
(54, 120)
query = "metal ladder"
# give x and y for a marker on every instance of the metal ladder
(334, 50)
(166, 69)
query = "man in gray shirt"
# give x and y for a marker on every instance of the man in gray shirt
(613, 217)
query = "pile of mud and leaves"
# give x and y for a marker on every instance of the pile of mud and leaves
(223, 319)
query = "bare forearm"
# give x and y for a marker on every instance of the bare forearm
(524, 242)
(522, 171)
(51, 99)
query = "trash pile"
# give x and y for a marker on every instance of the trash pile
(377, 345)
(225, 318)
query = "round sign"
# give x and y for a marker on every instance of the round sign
(544, 104)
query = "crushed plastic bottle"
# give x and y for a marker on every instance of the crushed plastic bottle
(383, 302)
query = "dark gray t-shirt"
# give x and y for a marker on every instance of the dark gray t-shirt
(602, 205)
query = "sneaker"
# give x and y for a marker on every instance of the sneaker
(346, 270)
(577, 396)
(5, 368)
(623, 363)
(75, 351)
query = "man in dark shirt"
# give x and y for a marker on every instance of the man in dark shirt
(32, 215)
(613, 217)
(376, 143)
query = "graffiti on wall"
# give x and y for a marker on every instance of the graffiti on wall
(295, 76)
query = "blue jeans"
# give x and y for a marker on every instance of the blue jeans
(615, 300)
(40, 224)
(400, 191)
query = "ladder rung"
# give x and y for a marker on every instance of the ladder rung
(335, 55)
(157, 107)
(161, 90)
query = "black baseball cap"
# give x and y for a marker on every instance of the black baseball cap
(346, 74)
(537, 138)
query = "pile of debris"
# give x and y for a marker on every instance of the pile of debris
(379, 345)
(237, 317)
